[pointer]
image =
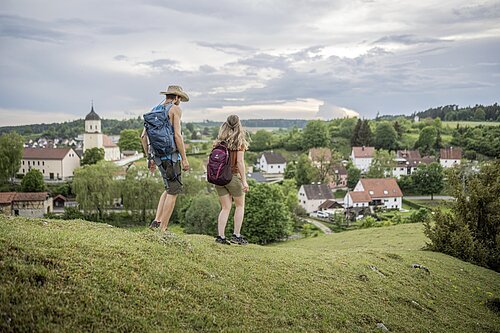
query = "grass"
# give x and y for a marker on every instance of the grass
(81, 276)
(453, 124)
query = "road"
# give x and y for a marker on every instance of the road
(428, 197)
(320, 225)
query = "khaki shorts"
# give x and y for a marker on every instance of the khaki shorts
(169, 171)
(235, 188)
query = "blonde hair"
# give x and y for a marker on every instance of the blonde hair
(233, 133)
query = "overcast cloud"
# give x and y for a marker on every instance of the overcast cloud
(259, 59)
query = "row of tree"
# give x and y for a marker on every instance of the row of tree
(269, 211)
(454, 112)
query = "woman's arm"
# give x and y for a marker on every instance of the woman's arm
(240, 162)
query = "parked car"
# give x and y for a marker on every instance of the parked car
(322, 214)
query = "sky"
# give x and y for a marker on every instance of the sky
(259, 59)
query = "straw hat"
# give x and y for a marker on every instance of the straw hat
(176, 90)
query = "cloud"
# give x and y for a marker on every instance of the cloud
(407, 40)
(23, 28)
(328, 112)
(259, 60)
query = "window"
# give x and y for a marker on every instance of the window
(371, 192)
(395, 199)
(23, 170)
(43, 162)
(271, 166)
(43, 171)
(28, 162)
(38, 162)
(386, 192)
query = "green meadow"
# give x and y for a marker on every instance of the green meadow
(77, 276)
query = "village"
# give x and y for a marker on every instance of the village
(328, 199)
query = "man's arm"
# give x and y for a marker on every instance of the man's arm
(179, 141)
(144, 141)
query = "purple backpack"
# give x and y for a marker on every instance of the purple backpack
(219, 166)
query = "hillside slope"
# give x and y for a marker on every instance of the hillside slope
(82, 276)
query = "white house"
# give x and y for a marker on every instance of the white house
(450, 157)
(362, 157)
(270, 162)
(357, 199)
(382, 191)
(312, 196)
(53, 163)
(94, 138)
(407, 161)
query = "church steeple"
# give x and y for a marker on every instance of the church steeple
(92, 115)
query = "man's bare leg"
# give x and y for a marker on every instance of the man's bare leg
(161, 203)
(168, 208)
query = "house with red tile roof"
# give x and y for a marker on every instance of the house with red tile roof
(28, 204)
(53, 163)
(449, 157)
(407, 161)
(381, 192)
(362, 157)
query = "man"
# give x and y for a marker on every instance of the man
(169, 166)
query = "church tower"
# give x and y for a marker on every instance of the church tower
(92, 137)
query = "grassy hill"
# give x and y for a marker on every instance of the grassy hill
(82, 276)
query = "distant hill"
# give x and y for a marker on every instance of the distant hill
(280, 123)
(76, 276)
(71, 129)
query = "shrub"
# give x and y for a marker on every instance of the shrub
(201, 216)
(367, 222)
(471, 231)
(419, 216)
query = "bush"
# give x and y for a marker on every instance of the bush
(367, 222)
(201, 216)
(419, 216)
(471, 231)
(267, 218)
(72, 213)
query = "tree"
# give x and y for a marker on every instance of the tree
(11, 153)
(426, 140)
(429, 179)
(95, 187)
(294, 140)
(399, 129)
(471, 229)
(439, 141)
(267, 218)
(382, 164)
(386, 137)
(353, 175)
(130, 140)
(33, 181)
(201, 216)
(315, 134)
(261, 140)
(479, 114)
(290, 170)
(305, 173)
(355, 134)
(92, 156)
(140, 192)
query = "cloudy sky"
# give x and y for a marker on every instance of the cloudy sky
(259, 59)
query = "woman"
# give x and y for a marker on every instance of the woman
(233, 134)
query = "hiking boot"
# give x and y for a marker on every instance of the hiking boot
(221, 240)
(154, 225)
(238, 240)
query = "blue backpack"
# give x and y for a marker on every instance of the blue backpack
(160, 131)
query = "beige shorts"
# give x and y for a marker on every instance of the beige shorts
(235, 188)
